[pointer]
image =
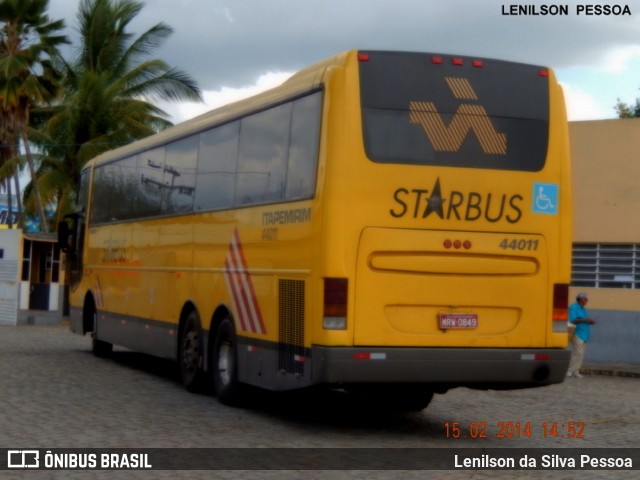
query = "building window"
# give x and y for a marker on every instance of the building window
(606, 265)
(26, 261)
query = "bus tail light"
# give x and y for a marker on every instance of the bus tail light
(560, 301)
(335, 303)
(560, 313)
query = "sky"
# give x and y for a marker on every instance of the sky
(236, 48)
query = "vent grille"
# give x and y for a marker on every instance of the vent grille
(291, 355)
(603, 265)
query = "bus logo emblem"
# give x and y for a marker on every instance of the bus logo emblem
(468, 117)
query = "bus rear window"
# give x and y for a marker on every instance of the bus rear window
(424, 109)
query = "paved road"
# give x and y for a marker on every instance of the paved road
(55, 394)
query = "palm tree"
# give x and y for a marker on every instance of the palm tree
(10, 167)
(28, 40)
(105, 102)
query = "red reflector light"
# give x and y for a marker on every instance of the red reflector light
(362, 356)
(370, 356)
(477, 63)
(544, 73)
(541, 357)
(457, 244)
(363, 57)
(437, 60)
(457, 61)
(335, 297)
(560, 302)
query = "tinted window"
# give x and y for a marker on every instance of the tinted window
(265, 157)
(262, 159)
(217, 162)
(303, 147)
(83, 191)
(114, 191)
(102, 186)
(179, 175)
(125, 188)
(415, 111)
(151, 174)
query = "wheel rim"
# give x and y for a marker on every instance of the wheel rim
(191, 351)
(225, 362)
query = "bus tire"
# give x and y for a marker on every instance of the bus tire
(190, 355)
(100, 348)
(224, 364)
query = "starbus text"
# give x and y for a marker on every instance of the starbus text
(471, 206)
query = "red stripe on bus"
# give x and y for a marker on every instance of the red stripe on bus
(241, 286)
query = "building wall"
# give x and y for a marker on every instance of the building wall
(10, 260)
(606, 196)
(606, 180)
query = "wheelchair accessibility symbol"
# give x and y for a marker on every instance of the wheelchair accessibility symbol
(545, 198)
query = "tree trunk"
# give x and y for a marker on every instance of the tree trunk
(9, 204)
(20, 216)
(34, 181)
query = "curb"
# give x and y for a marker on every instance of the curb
(609, 372)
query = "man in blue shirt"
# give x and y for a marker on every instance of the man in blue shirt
(579, 317)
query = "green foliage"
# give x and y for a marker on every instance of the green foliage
(628, 111)
(104, 96)
(29, 40)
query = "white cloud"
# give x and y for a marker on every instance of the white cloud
(225, 45)
(225, 13)
(581, 105)
(619, 59)
(217, 98)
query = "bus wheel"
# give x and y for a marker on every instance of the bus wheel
(224, 364)
(190, 355)
(99, 348)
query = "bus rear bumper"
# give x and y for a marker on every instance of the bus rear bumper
(500, 368)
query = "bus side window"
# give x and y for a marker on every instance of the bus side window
(303, 147)
(262, 159)
(217, 163)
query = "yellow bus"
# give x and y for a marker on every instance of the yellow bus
(391, 223)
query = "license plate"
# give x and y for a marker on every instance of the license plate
(458, 320)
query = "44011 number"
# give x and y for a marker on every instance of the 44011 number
(519, 244)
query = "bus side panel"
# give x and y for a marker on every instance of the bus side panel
(256, 266)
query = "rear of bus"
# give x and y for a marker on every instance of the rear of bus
(447, 223)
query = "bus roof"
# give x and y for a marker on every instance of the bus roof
(301, 82)
(305, 80)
